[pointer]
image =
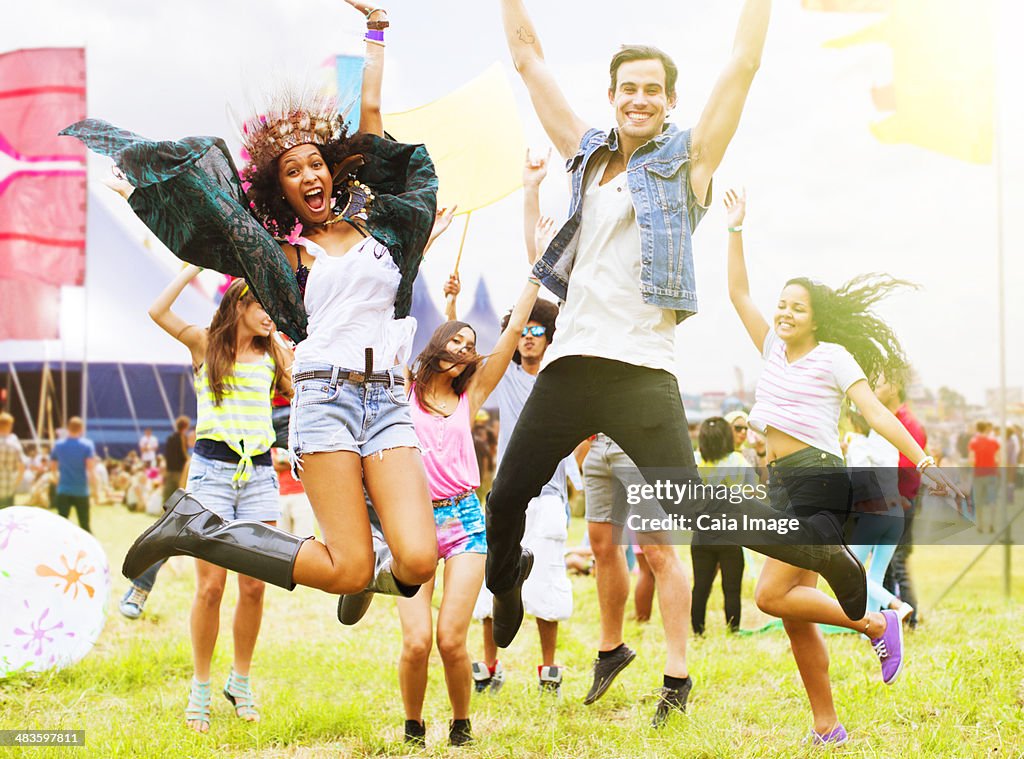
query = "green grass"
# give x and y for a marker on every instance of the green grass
(325, 690)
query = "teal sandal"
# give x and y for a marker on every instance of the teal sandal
(198, 709)
(238, 692)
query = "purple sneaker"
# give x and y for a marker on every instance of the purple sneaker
(835, 737)
(889, 647)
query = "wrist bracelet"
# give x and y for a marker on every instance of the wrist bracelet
(374, 35)
(736, 229)
(378, 25)
(926, 462)
(533, 280)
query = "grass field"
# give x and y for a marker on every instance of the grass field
(325, 690)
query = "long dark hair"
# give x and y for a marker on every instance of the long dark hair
(265, 195)
(221, 343)
(844, 316)
(427, 364)
(716, 440)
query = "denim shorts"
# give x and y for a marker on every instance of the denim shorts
(255, 499)
(342, 416)
(809, 482)
(460, 527)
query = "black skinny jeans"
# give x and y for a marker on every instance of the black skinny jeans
(641, 410)
(706, 560)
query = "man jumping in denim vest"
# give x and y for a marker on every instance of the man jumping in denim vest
(623, 266)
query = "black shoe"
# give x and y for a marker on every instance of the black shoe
(606, 670)
(507, 607)
(841, 569)
(415, 733)
(669, 700)
(460, 732)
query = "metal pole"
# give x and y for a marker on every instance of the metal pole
(1004, 506)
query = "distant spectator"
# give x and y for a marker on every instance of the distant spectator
(1012, 460)
(176, 455)
(12, 460)
(148, 447)
(984, 451)
(73, 459)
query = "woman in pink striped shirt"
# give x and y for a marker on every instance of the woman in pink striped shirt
(824, 345)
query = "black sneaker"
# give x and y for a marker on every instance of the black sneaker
(606, 670)
(669, 700)
(460, 733)
(415, 733)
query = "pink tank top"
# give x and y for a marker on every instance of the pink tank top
(448, 453)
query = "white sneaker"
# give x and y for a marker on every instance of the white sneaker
(904, 610)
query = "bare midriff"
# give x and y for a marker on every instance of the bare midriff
(780, 444)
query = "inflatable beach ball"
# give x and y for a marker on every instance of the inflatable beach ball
(54, 586)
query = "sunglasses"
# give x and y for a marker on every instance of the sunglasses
(738, 428)
(536, 330)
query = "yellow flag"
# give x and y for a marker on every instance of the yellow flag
(943, 90)
(475, 138)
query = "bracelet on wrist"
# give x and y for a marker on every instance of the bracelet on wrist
(533, 280)
(926, 462)
(378, 25)
(375, 35)
(736, 229)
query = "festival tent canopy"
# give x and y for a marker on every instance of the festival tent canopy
(136, 375)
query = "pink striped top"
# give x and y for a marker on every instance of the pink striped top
(448, 453)
(803, 398)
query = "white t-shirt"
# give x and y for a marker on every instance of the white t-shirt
(803, 398)
(604, 313)
(350, 301)
(874, 452)
(511, 394)
(148, 446)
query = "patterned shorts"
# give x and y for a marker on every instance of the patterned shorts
(460, 526)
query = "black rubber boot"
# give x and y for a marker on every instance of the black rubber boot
(351, 608)
(187, 529)
(507, 606)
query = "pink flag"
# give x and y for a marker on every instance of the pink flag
(42, 176)
(29, 310)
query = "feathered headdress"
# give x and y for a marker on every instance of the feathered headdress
(293, 118)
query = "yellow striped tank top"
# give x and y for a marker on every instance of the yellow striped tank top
(242, 420)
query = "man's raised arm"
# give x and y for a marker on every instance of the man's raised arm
(564, 128)
(721, 115)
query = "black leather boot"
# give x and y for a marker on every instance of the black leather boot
(351, 608)
(507, 606)
(187, 529)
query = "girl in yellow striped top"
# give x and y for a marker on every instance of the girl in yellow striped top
(238, 367)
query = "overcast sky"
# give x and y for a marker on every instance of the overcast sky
(826, 199)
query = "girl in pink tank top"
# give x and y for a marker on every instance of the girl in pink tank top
(451, 382)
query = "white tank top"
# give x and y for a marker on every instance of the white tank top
(350, 301)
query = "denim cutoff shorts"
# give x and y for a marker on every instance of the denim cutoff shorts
(809, 482)
(342, 416)
(256, 499)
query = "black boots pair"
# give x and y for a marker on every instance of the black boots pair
(187, 529)
(460, 732)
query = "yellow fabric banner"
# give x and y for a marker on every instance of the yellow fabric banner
(474, 136)
(943, 90)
